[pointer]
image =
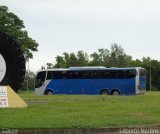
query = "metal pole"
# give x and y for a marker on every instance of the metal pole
(28, 76)
(150, 77)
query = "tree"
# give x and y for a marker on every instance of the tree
(104, 57)
(49, 65)
(61, 63)
(118, 58)
(96, 61)
(72, 60)
(100, 58)
(29, 81)
(14, 26)
(136, 63)
(82, 58)
(155, 71)
(149, 65)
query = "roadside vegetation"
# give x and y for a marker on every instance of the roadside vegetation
(83, 111)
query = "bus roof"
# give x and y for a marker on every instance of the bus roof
(91, 68)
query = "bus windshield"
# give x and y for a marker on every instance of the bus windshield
(40, 79)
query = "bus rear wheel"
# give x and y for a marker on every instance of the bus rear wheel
(104, 92)
(115, 92)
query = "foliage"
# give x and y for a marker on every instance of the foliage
(115, 57)
(72, 59)
(14, 26)
(151, 66)
(29, 81)
(118, 57)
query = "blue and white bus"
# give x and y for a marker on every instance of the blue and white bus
(91, 80)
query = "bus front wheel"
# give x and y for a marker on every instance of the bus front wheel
(49, 92)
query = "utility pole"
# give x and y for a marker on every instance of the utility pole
(150, 79)
(28, 75)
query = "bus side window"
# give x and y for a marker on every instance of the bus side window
(69, 75)
(49, 75)
(131, 73)
(56, 75)
(63, 75)
(113, 74)
(100, 75)
(121, 74)
(73, 75)
(86, 74)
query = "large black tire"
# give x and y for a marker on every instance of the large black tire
(14, 60)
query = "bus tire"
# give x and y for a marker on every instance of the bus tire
(12, 70)
(115, 92)
(104, 92)
(49, 92)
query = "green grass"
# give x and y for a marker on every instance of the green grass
(83, 111)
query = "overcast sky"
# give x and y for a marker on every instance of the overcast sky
(72, 25)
